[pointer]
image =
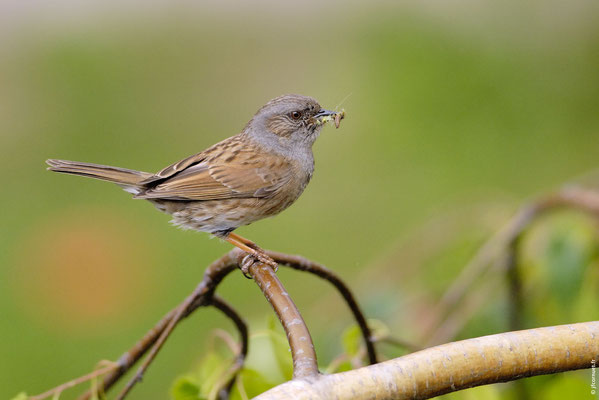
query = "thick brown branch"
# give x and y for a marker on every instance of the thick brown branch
(300, 341)
(456, 366)
(302, 264)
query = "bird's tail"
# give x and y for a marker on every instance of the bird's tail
(127, 178)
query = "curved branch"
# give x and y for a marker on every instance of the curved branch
(200, 296)
(243, 333)
(303, 264)
(573, 197)
(300, 341)
(456, 366)
(581, 199)
(213, 275)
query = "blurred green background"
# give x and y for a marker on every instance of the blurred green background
(458, 112)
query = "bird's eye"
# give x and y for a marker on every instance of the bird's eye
(296, 115)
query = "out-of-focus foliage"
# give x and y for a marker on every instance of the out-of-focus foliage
(213, 371)
(459, 112)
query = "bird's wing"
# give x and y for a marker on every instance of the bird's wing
(175, 168)
(219, 173)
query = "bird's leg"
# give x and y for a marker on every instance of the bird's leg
(251, 248)
(245, 241)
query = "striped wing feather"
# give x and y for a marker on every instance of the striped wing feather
(222, 172)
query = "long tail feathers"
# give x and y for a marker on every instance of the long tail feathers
(127, 178)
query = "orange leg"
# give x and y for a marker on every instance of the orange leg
(251, 248)
(243, 240)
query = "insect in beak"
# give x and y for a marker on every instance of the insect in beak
(324, 116)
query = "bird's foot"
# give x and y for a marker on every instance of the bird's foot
(253, 250)
(256, 256)
(265, 259)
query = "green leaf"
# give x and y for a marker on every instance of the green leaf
(378, 327)
(344, 366)
(95, 393)
(212, 367)
(253, 383)
(567, 256)
(185, 388)
(568, 386)
(352, 338)
(280, 348)
(21, 396)
(200, 383)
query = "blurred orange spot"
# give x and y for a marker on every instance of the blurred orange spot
(82, 271)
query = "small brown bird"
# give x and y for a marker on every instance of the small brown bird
(253, 175)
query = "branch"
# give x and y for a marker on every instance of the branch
(578, 198)
(214, 274)
(200, 296)
(58, 389)
(514, 279)
(243, 333)
(300, 342)
(302, 264)
(456, 366)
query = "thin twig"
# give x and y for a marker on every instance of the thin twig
(515, 296)
(302, 264)
(473, 270)
(578, 198)
(456, 321)
(58, 389)
(226, 338)
(199, 296)
(161, 340)
(214, 274)
(398, 342)
(300, 341)
(241, 326)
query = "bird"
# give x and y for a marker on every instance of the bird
(250, 176)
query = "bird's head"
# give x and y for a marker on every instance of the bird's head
(292, 119)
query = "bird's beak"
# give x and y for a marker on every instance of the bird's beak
(324, 113)
(324, 116)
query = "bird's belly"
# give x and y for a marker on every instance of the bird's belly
(224, 215)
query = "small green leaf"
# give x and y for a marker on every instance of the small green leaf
(96, 394)
(378, 328)
(212, 367)
(568, 386)
(344, 366)
(253, 383)
(185, 388)
(567, 256)
(21, 396)
(351, 340)
(280, 348)
(200, 383)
